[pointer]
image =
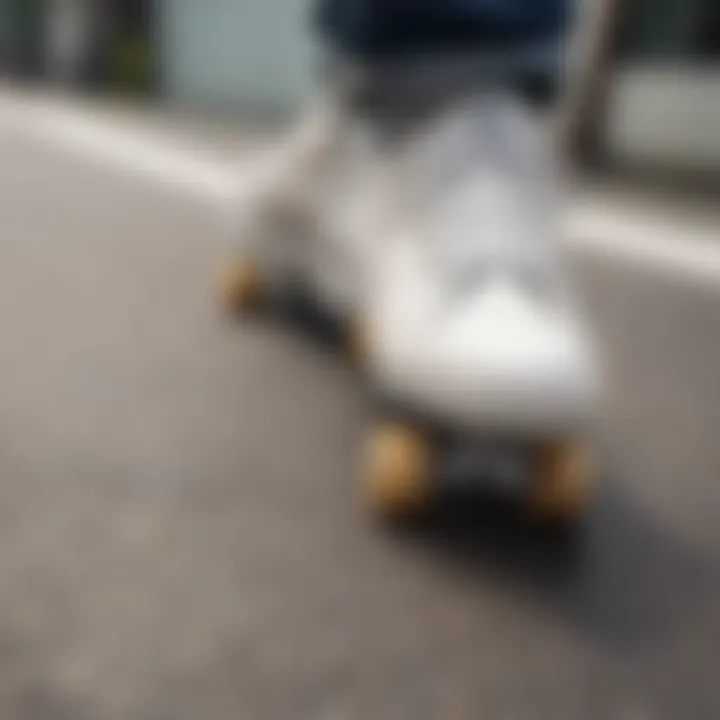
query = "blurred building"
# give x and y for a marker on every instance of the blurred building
(252, 54)
(80, 42)
(660, 68)
(21, 37)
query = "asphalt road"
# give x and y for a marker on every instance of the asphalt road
(180, 535)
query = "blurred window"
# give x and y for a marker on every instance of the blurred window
(672, 30)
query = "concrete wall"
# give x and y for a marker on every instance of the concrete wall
(249, 54)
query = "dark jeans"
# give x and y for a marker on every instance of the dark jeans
(380, 31)
(376, 29)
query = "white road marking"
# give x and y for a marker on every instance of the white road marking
(681, 249)
(143, 153)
